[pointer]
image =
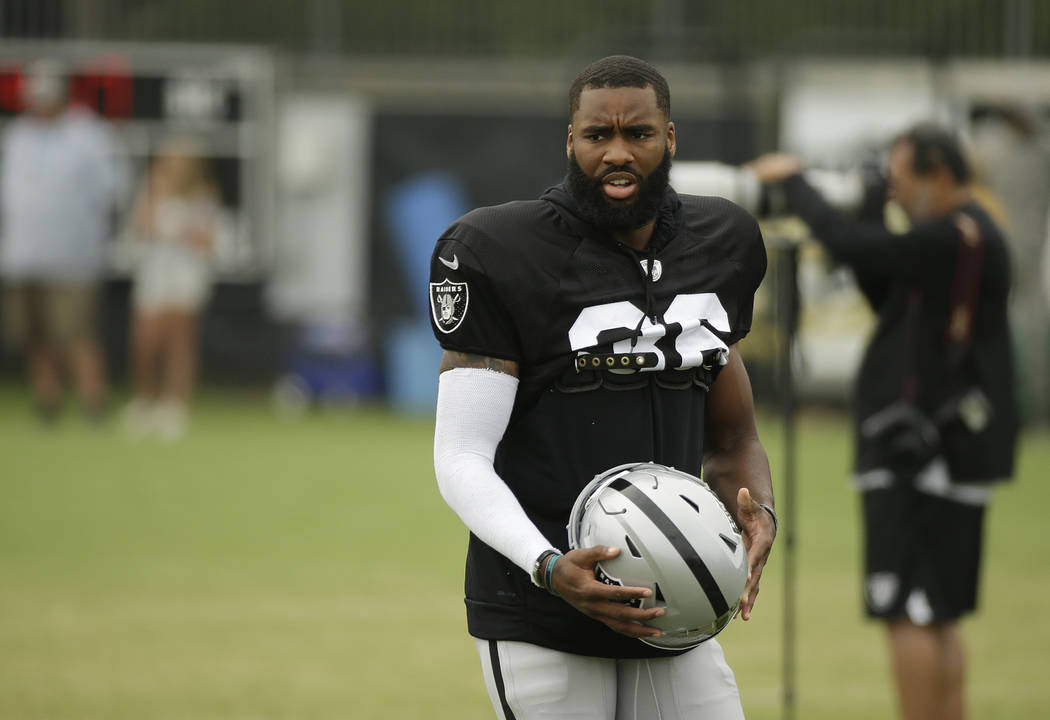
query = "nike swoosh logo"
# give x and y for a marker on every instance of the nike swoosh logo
(452, 264)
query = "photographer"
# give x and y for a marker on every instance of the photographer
(934, 400)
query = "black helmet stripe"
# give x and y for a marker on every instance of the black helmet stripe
(692, 560)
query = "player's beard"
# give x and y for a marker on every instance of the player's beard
(610, 216)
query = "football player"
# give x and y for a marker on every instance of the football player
(595, 326)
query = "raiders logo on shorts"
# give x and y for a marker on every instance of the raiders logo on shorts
(448, 304)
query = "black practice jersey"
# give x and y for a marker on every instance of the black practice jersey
(910, 280)
(616, 349)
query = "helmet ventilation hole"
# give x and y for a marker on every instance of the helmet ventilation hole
(691, 503)
(728, 541)
(631, 546)
(657, 595)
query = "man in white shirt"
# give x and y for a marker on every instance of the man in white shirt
(59, 185)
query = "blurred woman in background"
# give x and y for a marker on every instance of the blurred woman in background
(174, 222)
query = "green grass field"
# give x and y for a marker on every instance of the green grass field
(308, 569)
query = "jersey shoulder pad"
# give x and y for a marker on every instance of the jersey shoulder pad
(705, 211)
(727, 232)
(500, 223)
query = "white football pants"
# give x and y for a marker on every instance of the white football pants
(528, 682)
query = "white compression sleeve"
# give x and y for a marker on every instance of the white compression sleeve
(473, 410)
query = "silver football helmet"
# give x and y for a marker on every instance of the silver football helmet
(675, 538)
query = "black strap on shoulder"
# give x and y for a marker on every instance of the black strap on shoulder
(958, 331)
(965, 288)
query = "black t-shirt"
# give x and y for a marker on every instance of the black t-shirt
(910, 281)
(616, 350)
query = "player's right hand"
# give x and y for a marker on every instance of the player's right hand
(574, 580)
(776, 167)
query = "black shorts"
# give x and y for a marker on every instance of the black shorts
(922, 554)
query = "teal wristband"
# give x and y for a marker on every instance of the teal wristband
(539, 567)
(548, 573)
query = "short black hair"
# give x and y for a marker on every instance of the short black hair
(620, 71)
(934, 146)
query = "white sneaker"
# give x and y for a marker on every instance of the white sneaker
(170, 420)
(137, 417)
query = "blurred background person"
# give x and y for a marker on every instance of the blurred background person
(61, 183)
(173, 222)
(934, 404)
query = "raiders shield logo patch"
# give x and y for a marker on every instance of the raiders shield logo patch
(448, 304)
(601, 576)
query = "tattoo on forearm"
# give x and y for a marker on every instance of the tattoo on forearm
(451, 360)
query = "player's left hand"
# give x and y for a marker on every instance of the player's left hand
(756, 528)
